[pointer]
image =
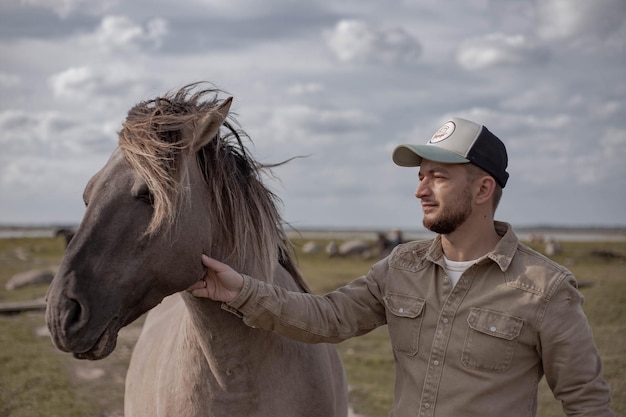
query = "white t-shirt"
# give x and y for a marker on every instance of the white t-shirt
(454, 269)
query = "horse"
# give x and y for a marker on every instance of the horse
(181, 182)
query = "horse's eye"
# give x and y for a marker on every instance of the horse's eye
(146, 197)
(143, 193)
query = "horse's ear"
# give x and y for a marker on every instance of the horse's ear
(209, 125)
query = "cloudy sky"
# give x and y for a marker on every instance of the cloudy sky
(343, 82)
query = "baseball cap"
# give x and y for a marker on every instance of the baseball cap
(459, 141)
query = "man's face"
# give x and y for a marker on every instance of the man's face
(445, 194)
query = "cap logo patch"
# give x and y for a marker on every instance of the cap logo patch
(444, 132)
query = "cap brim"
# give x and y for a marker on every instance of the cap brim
(412, 155)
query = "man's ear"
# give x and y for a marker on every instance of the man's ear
(486, 187)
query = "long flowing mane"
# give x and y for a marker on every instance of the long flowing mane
(154, 139)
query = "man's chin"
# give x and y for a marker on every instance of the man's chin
(439, 228)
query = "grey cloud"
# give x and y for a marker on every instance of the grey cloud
(208, 33)
(584, 25)
(47, 134)
(66, 8)
(306, 127)
(557, 103)
(18, 21)
(355, 41)
(498, 49)
(193, 26)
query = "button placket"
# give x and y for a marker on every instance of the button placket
(437, 353)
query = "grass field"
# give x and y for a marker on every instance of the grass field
(36, 380)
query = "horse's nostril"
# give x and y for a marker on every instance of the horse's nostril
(75, 316)
(67, 319)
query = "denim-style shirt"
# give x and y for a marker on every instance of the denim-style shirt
(476, 349)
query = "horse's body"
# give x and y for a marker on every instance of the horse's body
(174, 189)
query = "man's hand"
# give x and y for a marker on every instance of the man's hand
(220, 283)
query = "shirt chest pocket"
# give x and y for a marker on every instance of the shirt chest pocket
(490, 340)
(404, 320)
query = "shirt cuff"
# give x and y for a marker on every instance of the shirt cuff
(235, 305)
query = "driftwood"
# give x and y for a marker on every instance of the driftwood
(35, 276)
(22, 306)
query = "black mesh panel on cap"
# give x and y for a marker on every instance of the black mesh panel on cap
(490, 154)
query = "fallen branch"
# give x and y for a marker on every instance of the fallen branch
(22, 306)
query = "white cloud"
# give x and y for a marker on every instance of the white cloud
(355, 41)
(51, 134)
(87, 82)
(117, 32)
(583, 22)
(73, 81)
(498, 49)
(307, 127)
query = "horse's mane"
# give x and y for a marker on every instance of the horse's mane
(154, 138)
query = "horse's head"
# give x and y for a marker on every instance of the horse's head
(166, 195)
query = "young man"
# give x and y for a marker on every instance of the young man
(475, 317)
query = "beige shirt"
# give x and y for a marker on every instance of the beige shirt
(478, 348)
(454, 269)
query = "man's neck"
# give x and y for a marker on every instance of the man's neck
(470, 241)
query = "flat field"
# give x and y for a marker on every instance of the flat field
(37, 380)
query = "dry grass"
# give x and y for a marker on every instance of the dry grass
(369, 361)
(36, 380)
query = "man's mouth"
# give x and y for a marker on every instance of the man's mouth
(428, 206)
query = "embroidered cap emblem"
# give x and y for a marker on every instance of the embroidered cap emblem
(444, 132)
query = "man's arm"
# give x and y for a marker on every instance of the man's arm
(349, 311)
(571, 361)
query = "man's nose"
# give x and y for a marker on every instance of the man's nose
(422, 189)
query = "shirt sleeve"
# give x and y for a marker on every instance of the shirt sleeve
(571, 361)
(349, 311)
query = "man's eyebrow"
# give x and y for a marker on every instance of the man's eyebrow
(436, 168)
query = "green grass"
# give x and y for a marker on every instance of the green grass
(36, 380)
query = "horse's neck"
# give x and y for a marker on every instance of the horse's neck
(222, 354)
(211, 325)
(214, 330)
(222, 333)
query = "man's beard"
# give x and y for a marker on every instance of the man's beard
(452, 216)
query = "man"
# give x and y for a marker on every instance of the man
(475, 317)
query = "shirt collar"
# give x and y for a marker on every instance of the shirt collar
(502, 254)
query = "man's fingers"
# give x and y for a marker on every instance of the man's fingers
(198, 285)
(214, 264)
(201, 292)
